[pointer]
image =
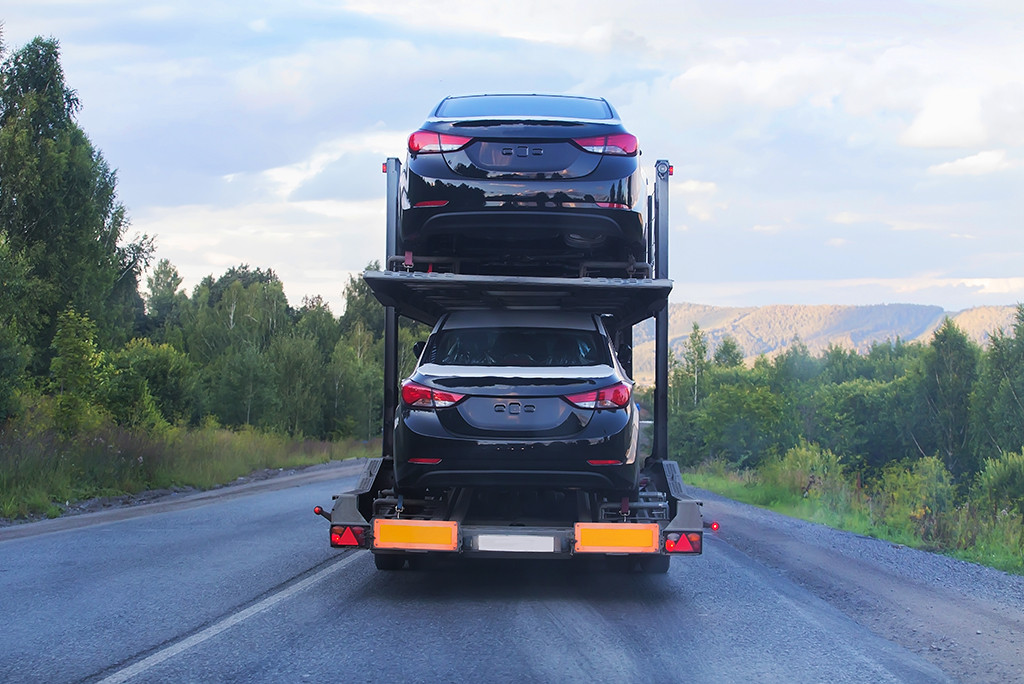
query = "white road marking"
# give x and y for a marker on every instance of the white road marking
(227, 623)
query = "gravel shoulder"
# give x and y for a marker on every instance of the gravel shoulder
(965, 618)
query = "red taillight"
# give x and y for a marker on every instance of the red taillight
(604, 461)
(431, 142)
(425, 461)
(683, 543)
(714, 526)
(616, 396)
(346, 535)
(419, 396)
(621, 144)
(431, 203)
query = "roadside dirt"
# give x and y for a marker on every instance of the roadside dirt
(964, 618)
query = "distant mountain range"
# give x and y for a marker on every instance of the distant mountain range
(770, 330)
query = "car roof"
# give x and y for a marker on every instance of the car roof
(574, 320)
(529, 106)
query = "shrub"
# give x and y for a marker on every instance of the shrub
(1000, 484)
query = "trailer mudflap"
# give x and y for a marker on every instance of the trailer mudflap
(617, 538)
(416, 535)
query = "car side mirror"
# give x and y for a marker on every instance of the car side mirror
(418, 347)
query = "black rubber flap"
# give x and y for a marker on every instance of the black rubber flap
(426, 296)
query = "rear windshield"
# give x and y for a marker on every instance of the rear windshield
(517, 347)
(483, 106)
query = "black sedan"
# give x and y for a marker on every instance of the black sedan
(517, 399)
(524, 183)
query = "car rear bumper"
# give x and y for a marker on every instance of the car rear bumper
(501, 463)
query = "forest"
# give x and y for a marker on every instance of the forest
(918, 442)
(108, 387)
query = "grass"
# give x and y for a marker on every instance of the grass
(41, 471)
(963, 531)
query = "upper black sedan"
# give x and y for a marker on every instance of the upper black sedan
(524, 184)
(517, 399)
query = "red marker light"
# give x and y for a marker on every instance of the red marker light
(714, 526)
(347, 536)
(384, 167)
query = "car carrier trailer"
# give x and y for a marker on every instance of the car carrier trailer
(645, 529)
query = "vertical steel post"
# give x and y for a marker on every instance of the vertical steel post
(393, 169)
(660, 447)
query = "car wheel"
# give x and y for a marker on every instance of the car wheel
(388, 561)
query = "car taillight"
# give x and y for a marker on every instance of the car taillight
(616, 396)
(431, 142)
(422, 397)
(621, 144)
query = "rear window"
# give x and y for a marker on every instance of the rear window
(562, 107)
(517, 347)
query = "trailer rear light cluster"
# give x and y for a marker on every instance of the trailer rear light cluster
(423, 397)
(432, 142)
(348, 535)
(619, 144)
(683, 543)
(616, 396)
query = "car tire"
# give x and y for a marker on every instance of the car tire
(389, 561)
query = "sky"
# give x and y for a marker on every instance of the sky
(825, 152)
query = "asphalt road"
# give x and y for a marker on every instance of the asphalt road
(245, 588)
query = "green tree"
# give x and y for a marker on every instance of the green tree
(949, 369)
(76, 372)
(164, 301)
(243, 387)
(316, 321)
(695, 362)
(361, 307)
(169, 376)
(58, 204)
(728, 353)
(997, 401)
(299, 372)
(17, 319)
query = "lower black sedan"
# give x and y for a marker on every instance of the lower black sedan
(534, 182)
(517, 399)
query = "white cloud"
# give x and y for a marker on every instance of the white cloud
(312, 246)
(911, 220)
(955, 293)
(287, 179)
(697, 197)
(989, 161)
(949, 117)
(837, 242)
